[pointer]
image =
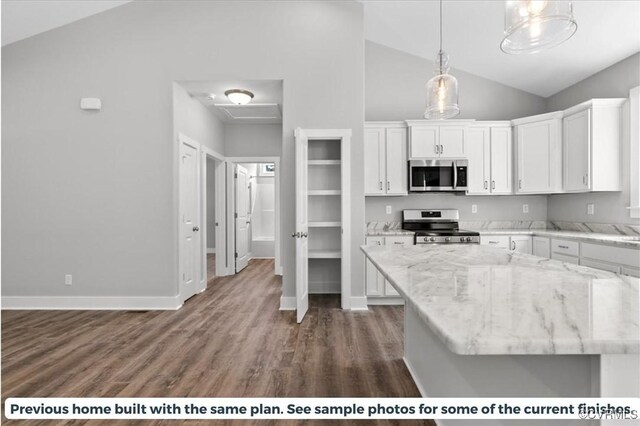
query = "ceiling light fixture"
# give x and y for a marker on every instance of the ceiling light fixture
(534, 25)
(239, 96)
(442, 90)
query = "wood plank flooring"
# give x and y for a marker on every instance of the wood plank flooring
(229, 341)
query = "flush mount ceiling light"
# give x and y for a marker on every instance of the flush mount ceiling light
(534, 25)
(239, 96)
(442, 90)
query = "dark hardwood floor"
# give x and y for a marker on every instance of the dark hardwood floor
(229, 341)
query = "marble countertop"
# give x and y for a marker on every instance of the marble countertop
(482, 300)
(618, 240)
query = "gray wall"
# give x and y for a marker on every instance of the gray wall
(395, 89)
(256, 140)
(211, 203)
(610, 207)
(195, 121)
(96, 194)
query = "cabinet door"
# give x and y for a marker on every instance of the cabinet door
(396, 162)
(521, 243)
(374, 161)
(452, 141)
(374, 280)
(537, 156)
(501, 161)
(479, 155)
(424, 141)
(389, 290)
(542, 247)
(576, 151)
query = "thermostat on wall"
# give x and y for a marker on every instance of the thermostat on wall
(91, 104)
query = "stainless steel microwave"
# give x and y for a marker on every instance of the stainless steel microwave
(438, 175)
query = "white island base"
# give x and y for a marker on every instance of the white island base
(438, 372)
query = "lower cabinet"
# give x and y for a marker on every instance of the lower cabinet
(378, 289)
(516, 243)
(541, 247)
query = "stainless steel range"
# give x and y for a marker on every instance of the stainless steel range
(437, 227)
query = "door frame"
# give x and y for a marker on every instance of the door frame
(222, 269)
(231, 244)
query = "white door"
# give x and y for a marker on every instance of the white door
(302, 226)
(478, 153)
(501, 162)
(576, 152)
(373, 161)
(190, 235)
(535, 149)
(424, 142)
(396, 161)
(452, 143)
(242, 218)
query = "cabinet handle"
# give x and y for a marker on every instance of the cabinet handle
(519, 183)
(583, 179)
(513, 245)
(563, 247)
(398, 242)
(486, 185)
(435, 149)
(441, 149)
(380, 185)
(388, 186)
(493, 242)
(493, 184)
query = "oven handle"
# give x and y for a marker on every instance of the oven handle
(455, 175)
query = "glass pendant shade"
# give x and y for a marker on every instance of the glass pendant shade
(534, 25)
(442, 92)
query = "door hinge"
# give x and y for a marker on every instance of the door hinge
(235, 215)
(235, 175)
(236, 255)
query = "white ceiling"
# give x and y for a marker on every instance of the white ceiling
(24, 18)
(608, 31)
(264, 91)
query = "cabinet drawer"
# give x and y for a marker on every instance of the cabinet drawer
(632, 272)
(600, 265)
(501, 241)
(565, 258)
(374, 241)
(571, 248)
(399, 241)
(619, 255)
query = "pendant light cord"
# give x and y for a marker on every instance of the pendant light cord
(440, 52)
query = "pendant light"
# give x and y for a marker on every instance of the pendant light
(534, 25)
(442, 90)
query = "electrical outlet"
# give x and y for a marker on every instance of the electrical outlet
(68, 279)
(388, 209)
(591, 208)
(474, 208)
(525, 208)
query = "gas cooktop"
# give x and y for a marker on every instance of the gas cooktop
(437, 227)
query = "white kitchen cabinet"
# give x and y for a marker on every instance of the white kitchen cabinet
(542, 247)
(592, 136)
(600, 265)
(632, 272)
(500, 241)
(565, 258)
(565, 251)
(378, 289)
(489, 152)
(539, 154)
(385, 159)
(429, 139)
(521, 243)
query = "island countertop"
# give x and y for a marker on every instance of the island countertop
(482, 300)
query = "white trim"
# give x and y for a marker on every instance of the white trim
(127, 303)
(287, 303)
(634, 152)
(359, 304)
(539, 117)
(231, 161)
(384, 301)
(220, 211)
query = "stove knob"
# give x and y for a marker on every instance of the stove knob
(432, 239)
(447, 239)
(426, 239)
(468, 239)
(462, 239)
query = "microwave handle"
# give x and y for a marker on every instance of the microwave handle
(455, 175)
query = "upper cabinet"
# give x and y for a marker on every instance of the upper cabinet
(591, 146)
(429, 139)
(539, 154)
(385, 158)
(489, 150)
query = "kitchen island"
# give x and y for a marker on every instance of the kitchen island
(483, 322)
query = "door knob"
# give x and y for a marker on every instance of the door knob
(295, 235)
(304, 235)
(196, 228)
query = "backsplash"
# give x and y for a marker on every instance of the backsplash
(600, 228)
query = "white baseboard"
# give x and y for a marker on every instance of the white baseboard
(359, 304)
(287, 303)
(91, 303)
(258, 257)
(385, 301)
(211, 251)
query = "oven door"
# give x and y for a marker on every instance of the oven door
(437, 175)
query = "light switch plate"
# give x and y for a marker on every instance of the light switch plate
(68, 279)
(388, 209)
(525, 208)
(474, 208)
(591, 208)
